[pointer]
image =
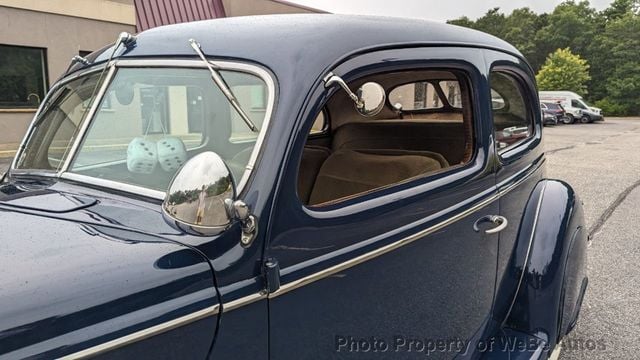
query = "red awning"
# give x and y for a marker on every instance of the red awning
(152, 13)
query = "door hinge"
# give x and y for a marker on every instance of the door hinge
(272, 275)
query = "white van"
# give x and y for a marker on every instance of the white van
(574, 105)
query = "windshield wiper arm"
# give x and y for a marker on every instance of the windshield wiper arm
(219, 81)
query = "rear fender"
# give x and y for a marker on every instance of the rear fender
(551, 287)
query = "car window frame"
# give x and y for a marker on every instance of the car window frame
(110, 70)
(428, 182)
(527, 89)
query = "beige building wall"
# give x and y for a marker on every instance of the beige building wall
(262, 7)
(81, 27)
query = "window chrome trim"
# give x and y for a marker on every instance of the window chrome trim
(116, 185)
(88, 119)
(64, 172)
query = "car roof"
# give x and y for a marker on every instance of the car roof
(291, 42)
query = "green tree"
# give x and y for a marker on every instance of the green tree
(617, 50)
(518, 28)
(620, 8)
(521, 27)
(462, 21)
(571, 25)
(608, 40)
(564, 70)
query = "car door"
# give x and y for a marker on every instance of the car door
(401, 269)
(519, 159)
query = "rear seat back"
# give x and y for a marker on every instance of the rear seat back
(312, 159)
(349, 172)
(446, 138)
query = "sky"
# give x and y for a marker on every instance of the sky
(439, 10)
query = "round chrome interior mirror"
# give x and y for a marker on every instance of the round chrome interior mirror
(199, 196)
(371, 97)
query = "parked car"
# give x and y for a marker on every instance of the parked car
(191, 193)
(588, 116)
(574, 105)
(549, 119)
(556, 110)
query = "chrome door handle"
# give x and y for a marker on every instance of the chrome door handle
(500, 222)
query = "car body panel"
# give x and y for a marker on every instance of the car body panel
(69, 285)
(399, 233)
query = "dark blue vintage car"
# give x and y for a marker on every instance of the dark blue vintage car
(303, 187)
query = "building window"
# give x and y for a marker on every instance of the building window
(22, 77)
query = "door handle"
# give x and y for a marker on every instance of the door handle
(500, 222)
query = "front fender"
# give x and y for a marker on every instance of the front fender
(552, 285)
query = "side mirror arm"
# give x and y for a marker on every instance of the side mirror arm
(332, 79)
(240, 211)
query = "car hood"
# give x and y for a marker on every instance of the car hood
(75, 273)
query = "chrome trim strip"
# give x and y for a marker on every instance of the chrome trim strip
(402, 242)
(87, 120)
(235, 304)
(380, 251)
(238, 303)
(140, 190)
(144, 334)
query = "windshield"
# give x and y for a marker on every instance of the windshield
(151, 120)
(579, 104)
(58, 124)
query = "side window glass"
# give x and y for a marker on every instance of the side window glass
(252, 98)
(577, 104)
(497, 102)
(319, 124)
(451, 90)
(364, 154)
(416, 96)
(58, 125)
(512, 120)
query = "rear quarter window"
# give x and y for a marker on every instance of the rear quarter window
(512, 120)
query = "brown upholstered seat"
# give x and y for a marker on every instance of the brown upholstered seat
(349, 172)
(312, 159)
(446, 138)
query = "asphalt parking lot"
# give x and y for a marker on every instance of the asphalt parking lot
(602, 162)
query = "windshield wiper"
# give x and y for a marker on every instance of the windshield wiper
(220, 83)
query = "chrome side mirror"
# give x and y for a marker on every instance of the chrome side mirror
(369, 98)
(201, 199)
(373, 97)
